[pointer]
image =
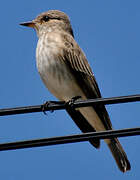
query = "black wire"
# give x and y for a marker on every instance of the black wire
(69, 139)
(62, 105)
(72, 138)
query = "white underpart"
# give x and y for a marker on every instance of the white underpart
(63, 88)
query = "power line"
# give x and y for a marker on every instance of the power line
(69, 139)
(58, 105)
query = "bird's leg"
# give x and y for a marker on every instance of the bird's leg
(70, 103)
(47, 104)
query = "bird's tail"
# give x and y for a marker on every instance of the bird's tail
(119, 154)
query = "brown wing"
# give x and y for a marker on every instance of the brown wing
(78, 64)
(83, 124)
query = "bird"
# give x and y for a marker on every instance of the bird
(65, 71)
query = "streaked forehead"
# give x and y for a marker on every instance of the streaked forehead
(54, 13)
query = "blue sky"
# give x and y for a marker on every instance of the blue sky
(109, 33)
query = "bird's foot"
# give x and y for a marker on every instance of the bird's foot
(70, 103)
(48, 104)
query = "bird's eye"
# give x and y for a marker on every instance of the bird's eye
(45, 18)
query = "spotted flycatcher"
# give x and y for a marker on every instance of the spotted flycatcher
(65, 71)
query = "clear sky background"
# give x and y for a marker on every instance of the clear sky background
(109, 33)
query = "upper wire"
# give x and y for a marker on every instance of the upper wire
(51, 106)
(59, 105)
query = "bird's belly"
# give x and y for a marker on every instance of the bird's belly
(58, 79)
(62, 84)
(63, 89)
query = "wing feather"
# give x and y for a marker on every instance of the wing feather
(76, 61)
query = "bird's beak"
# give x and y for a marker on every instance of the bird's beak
(28, 24)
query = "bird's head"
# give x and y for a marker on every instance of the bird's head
(50, 20)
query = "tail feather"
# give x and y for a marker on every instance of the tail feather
(83, 124)
(119, 155)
